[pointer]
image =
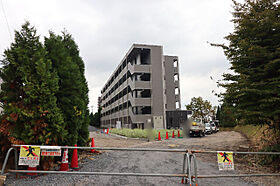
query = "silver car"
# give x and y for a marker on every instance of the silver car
(213, 127)
(208, 128)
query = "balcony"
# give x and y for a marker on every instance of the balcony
(176, 83)
(177, 97)
(142, 84)
(141, 110)
(138, 68)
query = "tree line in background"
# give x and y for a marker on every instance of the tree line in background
(95, 118)
(44, 93)
(202, 109)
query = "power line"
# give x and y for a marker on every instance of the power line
(6, 20)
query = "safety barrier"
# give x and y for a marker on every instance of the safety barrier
(186, 175)
(93, 173)
(194, 179)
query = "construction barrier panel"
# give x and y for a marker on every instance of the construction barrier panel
(186, 175)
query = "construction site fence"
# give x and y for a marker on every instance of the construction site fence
(189, 173)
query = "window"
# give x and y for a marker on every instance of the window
(177, 105)
(176, 91)
(175, 63)
(176, 77)
(145, 77)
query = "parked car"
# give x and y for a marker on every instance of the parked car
(208, 129)
(213, 127)
(217, 123)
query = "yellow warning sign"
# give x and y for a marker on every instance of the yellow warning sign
(29, 155)
(225, 160)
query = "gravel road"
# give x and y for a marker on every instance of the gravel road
(146, 162)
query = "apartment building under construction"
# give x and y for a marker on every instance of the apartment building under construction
(142, 89)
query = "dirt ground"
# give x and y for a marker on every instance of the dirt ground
(155, 162)
(225, 141)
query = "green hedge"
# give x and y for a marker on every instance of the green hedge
(140, 133)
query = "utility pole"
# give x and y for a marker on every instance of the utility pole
(92, 109)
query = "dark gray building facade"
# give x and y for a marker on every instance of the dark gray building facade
(141, 89)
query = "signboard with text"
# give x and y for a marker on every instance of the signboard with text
(29, 155)
(225, 160)
(118, 124)
(50, 151)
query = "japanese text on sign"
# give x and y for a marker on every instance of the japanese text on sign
(50, 151)
(225, 160)
(29, 155)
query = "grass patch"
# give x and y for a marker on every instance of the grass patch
(226, 128)
(139, 133)
(257, 134)
(265, 139)
(250, 131)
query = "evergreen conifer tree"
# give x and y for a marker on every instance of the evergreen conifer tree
(73, 92)
(218, 113)
(30, 112)
(83, 107)
(253, 90)
(91, 119)
(95, 118)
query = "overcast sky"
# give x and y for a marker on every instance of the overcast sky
(105, 29)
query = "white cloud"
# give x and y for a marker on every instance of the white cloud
(204, 86)
(105, 30)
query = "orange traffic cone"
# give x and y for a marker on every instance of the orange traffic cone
(32, 169)
(108, 131)
(74, 161)
(93, 145)
(179, 134)
(183, 180)
(159, 138)
(173, 135)
(166, 135)
(64, 166)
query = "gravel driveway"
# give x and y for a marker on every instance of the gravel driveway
(145, 162)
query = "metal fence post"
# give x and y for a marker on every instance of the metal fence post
(7, 157)
(189, 169)
(184, 168)
(195, 169)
